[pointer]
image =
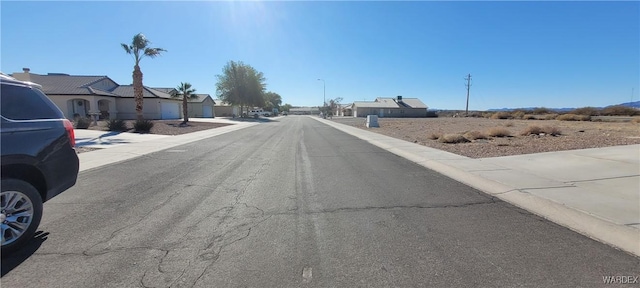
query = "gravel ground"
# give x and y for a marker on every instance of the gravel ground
(575, 135)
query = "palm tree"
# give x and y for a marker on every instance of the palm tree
(186, 92)
(139, 48)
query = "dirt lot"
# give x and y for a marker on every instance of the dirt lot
(574, 135)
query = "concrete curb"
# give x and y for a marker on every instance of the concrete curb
(619, 236)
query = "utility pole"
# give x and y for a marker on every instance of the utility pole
(466, 112)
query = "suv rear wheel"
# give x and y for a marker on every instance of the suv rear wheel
(21, 213)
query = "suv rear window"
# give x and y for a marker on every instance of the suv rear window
(23, 103)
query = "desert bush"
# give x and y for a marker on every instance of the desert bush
(550, 116)
(541, 111)
(590, 111)
(518, 114)
(116, 125)
(474, 135)
(452, 138)
(435, 136)
(143, 126)
(83, 122)
(531, 130)
(536, 130)
(635, 120)
(619, 110)
(501, 115)
(573, 117)
(487, 115)
(499, 132)
(550, 130)
(529, 117)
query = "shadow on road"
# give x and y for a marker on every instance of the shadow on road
(14, 259)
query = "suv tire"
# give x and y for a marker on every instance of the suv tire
(20, 197)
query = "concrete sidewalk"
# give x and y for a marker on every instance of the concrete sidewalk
(595, 192)
(117, 147)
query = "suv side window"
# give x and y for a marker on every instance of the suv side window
(23, 103)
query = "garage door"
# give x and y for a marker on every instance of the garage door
(170, 110)
(207, 111)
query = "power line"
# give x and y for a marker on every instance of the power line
(468, 78)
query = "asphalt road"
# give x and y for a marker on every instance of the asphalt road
(295, 203)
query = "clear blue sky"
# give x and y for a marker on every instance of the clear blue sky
(520, 54)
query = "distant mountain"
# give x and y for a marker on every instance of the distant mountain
(632, 104)
(635, 104)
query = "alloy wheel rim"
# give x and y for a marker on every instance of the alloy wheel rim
(17, 214)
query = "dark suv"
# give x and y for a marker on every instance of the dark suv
(38, 158)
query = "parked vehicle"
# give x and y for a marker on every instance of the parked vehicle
(38, 158)
(255, 113)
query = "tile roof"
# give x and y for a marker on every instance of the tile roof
(376, 104)
(126, 91)
(201, 98)
(414, 103)
(62, 84)
(387, 103)
(164, 90)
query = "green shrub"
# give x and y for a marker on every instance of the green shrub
(143, 126)
(452, 138)
(573, 117)
(83, 122)
(116, 125)
(499, 132)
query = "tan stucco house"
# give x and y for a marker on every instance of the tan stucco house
(80, 95)
(225, 109)
(201, 107)
(390, 107)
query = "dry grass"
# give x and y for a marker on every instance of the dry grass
(509, 124)
(537, 130)
(529, 117)
(452, 138)
(518, 114)
(501, 115)
(635, 120)
(435, 136)
(573, 117)
(474, 135)
(499, 132)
